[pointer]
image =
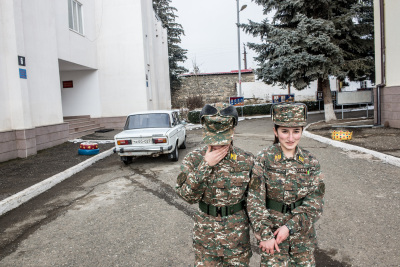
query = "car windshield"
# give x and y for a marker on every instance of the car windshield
(153, 120)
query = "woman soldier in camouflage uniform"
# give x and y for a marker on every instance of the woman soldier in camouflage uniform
(217, 176)
(285, 196)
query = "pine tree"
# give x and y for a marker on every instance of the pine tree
(304, 42)
(359, 51)
(176, 54)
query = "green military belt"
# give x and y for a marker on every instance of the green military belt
(282, 207)
(223, 211)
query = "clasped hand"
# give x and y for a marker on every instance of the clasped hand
(271, 245)
(215, 154)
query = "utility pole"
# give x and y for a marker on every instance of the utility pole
(238, 35)
(244, 57)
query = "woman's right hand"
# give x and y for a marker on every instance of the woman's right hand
(216, 155)
(269, 246)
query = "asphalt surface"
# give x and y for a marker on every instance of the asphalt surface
(114, 215)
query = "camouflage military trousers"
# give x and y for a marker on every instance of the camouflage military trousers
(293, 253)
(206, 260)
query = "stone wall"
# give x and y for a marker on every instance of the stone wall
(214, 88)
(390, 107)
(24, 143)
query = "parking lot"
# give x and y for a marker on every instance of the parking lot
(116, 215)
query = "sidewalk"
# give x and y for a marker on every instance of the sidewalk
(380, 142)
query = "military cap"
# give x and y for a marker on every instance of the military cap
(218, 122)
(289, 114)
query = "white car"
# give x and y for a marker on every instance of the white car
(151, 133)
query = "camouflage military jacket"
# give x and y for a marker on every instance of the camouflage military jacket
(285, 180)
(223, 184)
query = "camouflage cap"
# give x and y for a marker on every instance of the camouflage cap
(289, 114)
(218, 129)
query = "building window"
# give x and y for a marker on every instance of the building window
(75, 16)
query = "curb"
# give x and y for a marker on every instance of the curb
(386, 158)
(25, 195)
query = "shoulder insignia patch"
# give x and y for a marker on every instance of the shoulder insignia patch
(181, 178)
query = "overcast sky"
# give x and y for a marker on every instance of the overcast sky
(211, 33)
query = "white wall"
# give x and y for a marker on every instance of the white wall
(9, 77)
(392, 36)
(21, 112)
(72, 46)
(83, 98)
(28, 29)
(114, 42)
(377, 43)
(120, 58)
(165, 95)
(265, 91)
(392, 40)
(39, 32)
(156, 59)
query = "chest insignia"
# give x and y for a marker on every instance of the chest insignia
(233, 156)
(303, 170)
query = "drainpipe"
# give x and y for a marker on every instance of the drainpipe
(383, 55)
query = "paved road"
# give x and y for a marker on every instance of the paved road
(114, 215)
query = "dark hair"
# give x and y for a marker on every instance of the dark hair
(276, 140)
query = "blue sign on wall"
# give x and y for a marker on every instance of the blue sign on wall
(236, 101)
(22, 73)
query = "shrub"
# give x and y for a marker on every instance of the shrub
(194, 116)
(194, 102)
(257, 109)
(313, 105)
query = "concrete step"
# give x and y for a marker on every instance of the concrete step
(69, 118)
(81, 133)
(84, 127)
(81, 125)
(76, 124)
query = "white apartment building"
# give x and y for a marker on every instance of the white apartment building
(61, 58)
(387, 62)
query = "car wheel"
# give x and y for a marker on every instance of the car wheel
(126, 160)
(183, 146)
(174, 155)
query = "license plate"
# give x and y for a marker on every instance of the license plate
(141, 141)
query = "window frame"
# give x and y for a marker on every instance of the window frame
(75, 17)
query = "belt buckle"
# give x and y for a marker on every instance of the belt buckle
(286, 208)
(218, 211)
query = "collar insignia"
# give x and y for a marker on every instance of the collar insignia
(278, 157)
(233, 156)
